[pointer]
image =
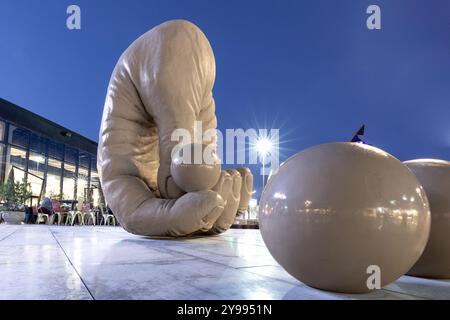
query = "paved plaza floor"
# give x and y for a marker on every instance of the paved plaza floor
(58, 262)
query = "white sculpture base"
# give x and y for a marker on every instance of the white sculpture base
(13, 217)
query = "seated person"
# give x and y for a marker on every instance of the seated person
(28, 215)
(46, 206)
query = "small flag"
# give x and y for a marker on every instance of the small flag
(358, 137)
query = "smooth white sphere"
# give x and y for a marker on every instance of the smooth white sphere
(195, 167)
(332, 212)
(434, 175)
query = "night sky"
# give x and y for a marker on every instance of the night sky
(310, 68)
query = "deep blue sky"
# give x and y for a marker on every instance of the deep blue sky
(310, 68)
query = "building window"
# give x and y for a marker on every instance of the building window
(85, 159)
(69, 182)
(38, 144)
(17, 165)
(55, 150)
(2, 161)
(36, 172)
(2, 131)
(93, 167)
(82, 189)
(53, 186)
(95, 186)
(18, 137)
(36, 164)
(18, 158)
(71, 156)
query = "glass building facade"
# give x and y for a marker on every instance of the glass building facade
(55, 162)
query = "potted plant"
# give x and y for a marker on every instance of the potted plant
(13, 196)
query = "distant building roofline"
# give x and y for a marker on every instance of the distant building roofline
(26, 119)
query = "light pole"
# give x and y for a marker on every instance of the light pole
(263, 169)
(263, 147)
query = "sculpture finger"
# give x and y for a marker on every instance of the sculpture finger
(246, 189)
(228, 216)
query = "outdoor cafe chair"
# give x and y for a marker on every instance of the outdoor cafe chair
(76, 214)
(42, 217)
(107, 218)
(58, 214)
(73, 216)
(88, 215)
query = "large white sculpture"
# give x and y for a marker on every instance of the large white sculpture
(161, 83)
(340, 216)
(434, 175)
